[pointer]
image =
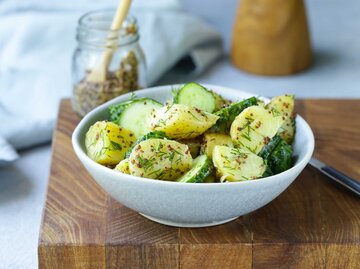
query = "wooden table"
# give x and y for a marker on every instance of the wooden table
(313, 224)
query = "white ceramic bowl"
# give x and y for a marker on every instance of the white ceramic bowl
(186, 204)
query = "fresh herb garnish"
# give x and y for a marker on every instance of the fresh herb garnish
(115, 145)
(275, 112)
(132, 96)
(193, 115)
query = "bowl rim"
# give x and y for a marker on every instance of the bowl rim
(116, 175)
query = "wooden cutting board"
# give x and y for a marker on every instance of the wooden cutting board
(313, 224)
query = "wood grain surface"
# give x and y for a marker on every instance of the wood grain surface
(271, 37)
(315, 223)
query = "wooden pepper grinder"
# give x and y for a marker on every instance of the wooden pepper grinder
(271, 37)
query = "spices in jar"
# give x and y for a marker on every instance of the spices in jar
(127, 67)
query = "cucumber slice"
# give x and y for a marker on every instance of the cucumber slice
(154, 134)
(202, 167)
(270, 147)
(210, 179)
(278, 156)
(268, 171)
(116, 110)
(281, 159)
(220, 102)
(134, 115)
(195, 95)
(228, 114)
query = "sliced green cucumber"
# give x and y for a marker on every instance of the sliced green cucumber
(267, 172)
(228, 114)
(195, 95)
(281, 159)
(154, 134)
(134, 115)
(116, 110)
(278, 156)
(202, 167)
(220, 102)
(270, 147)
(266, 152)
(175, 94)
(210, 179)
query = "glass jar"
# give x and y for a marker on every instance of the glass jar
(126, 69)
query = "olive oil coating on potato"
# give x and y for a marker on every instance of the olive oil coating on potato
(285, 104)
(106, 142)
(254, 128)
(160, 159)
(232, 164)
(123, 167)
(182, 122)
(211, 140)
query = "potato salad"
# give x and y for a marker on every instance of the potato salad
(196, 137)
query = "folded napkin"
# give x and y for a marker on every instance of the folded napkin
(37, 42)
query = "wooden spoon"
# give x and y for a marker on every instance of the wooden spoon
(98, 74)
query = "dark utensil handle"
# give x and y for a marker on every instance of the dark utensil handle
(341, 178)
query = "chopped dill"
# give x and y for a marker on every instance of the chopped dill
(160, 174)
(146, 164)
(161, 122)
(132, 96)
(153, 172)
(178, 152)
(193, 115)
(229, 167)
(115, 145)
(238, 152)
(275, 112)
(160, 146)
(169, 107)
(171, 156)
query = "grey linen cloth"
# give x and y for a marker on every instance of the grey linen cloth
(37, 42)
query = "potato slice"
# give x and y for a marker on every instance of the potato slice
(253, 128)
(285, 104)
(182, 122)
(106, 143)
(232, 164)
(214, 139)
(160, 159)
(123, 167)
(194, 145)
